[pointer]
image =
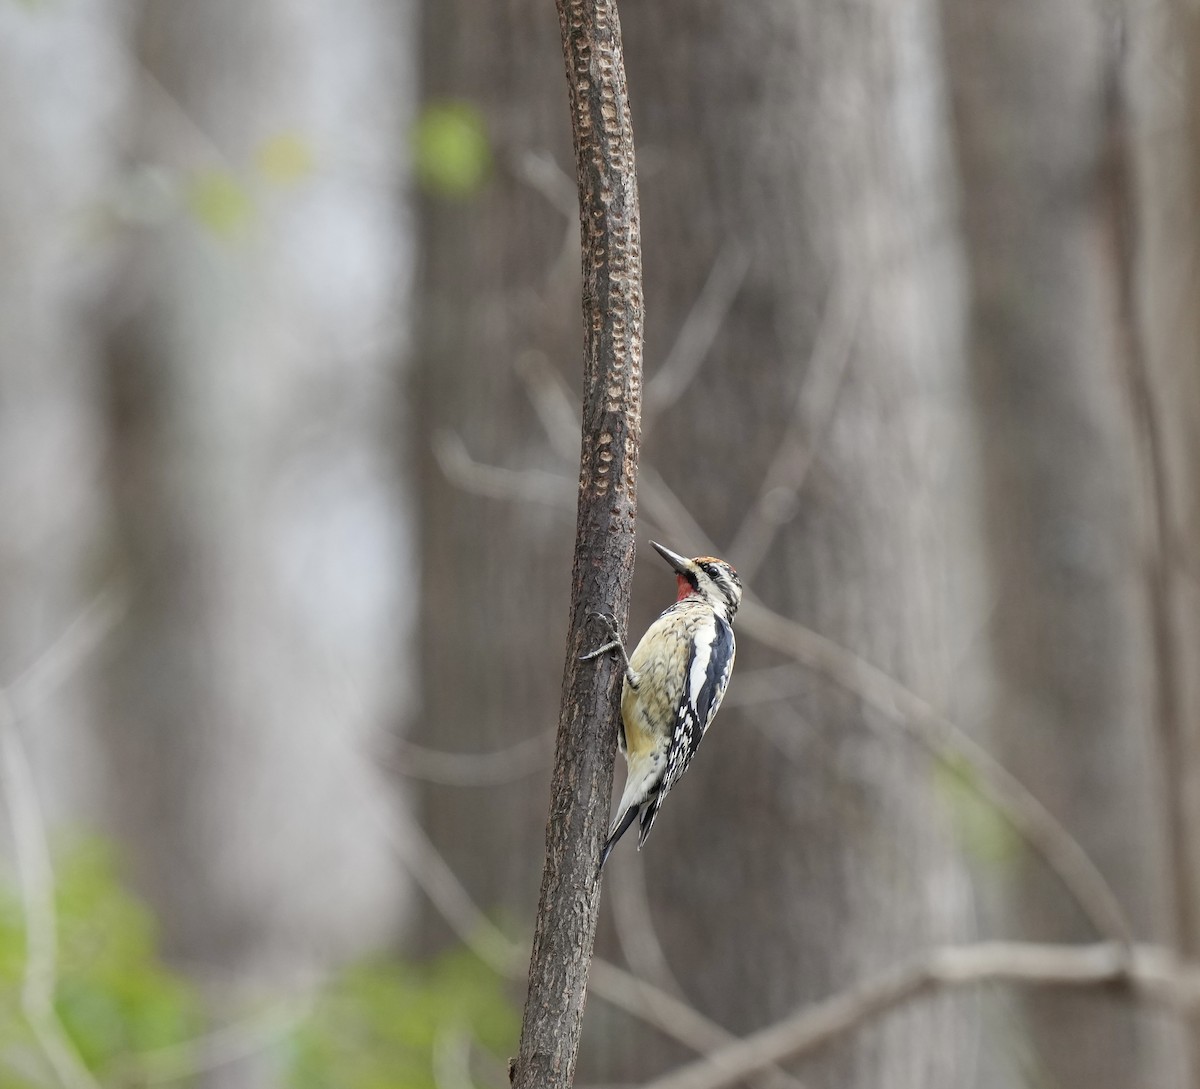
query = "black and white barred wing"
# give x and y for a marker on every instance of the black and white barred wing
(709, 667)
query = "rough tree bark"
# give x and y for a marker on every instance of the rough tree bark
(604, 540)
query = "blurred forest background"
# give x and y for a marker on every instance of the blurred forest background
(289, 354)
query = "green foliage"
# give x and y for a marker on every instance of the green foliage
(220, 202)
(115, 998)
(379, 1024)
(984, 833)
(452, 155)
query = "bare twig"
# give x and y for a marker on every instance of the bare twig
(770, 684)
(496, 482)
(552, 400)
(541, 173)
(634, 925)
(944, 739)
(699, 330)
(36, 877)
(670, 514)
(34, 869)
(432, 873)
(228, 1044)
(475, 769)
(196, 140)
(1151, 973)
(63, 658)
(640, 945)
(451, 1060)
(176, 1061)
(671, 1016)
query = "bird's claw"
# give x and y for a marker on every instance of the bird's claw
(614, 638)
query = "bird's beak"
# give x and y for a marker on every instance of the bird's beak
(680, 564)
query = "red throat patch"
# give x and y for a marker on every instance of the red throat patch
(685, 587)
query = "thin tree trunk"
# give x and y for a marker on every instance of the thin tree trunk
(604, 541)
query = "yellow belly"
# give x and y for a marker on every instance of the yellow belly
(660, 661)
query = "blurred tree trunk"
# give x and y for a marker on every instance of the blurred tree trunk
(498, 292)
(1165, 153)
(1055, 355)
(809, 846)
(54, 265)
(256, 516)
(801, 854)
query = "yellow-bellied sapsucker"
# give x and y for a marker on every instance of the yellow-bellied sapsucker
(674, 682)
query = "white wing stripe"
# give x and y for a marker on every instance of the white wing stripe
(705, 638)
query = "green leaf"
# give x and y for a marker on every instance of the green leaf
(114, 997)
(983, 831)
(220, 202)
(452, 154)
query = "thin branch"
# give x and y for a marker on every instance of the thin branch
(1151, 973)
(541, 172)
(698, 332)
(1035, 824)
(544, 176)
(63, 658)
(671, 1016)
(770, 684)
(225, 1045)
(640, 945)
(179, 120)
(35, 871)
(496, 482)
(665, 508)
(475, 769)
(552, 400)
(634, 925)
(36, 877)
(437, 880)
(451, 1059)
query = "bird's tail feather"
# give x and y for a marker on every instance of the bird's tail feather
(619, 828)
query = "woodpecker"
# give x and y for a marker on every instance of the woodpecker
(674, 682)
